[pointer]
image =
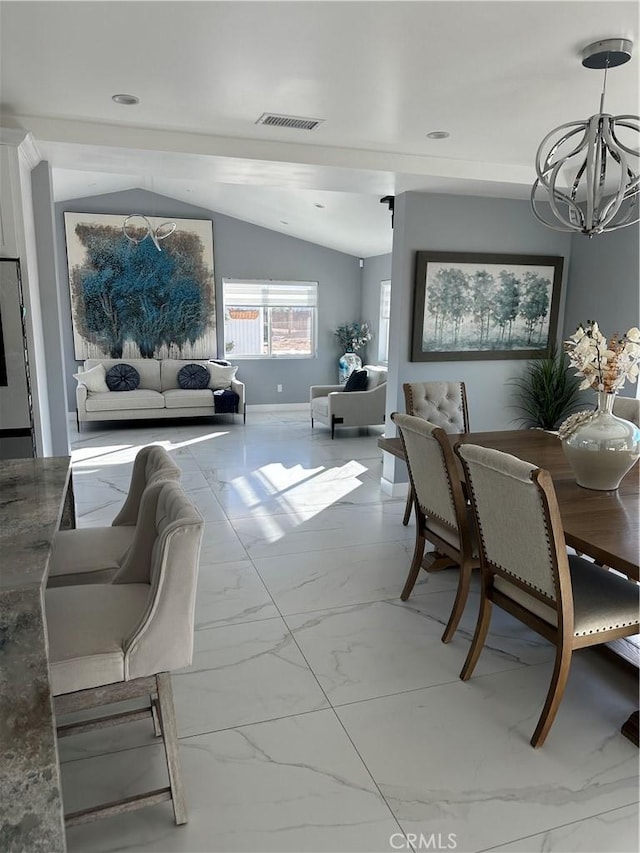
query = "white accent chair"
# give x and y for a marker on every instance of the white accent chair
(526, 570)
(442, 515)
(94, 554)
(443, 404)
(117, 641)
(333, 407)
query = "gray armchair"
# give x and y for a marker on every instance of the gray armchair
(333, 407)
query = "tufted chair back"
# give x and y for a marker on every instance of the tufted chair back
(152, 464)
(443, 404)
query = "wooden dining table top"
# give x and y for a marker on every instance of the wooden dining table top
(604, 525)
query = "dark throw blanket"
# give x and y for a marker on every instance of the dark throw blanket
(225, 402)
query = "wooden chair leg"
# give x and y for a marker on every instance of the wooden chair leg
(554, 695)
(155, 716)
(409, 506)
(464, 582)
(170, 732)
(416, 565)
(480, 635)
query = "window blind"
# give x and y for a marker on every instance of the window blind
(271, 294)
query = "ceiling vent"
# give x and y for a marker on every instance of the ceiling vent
(295, 122)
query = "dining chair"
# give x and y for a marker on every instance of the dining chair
(442, 515)
(117, 641)
(94, 554)
(443, 404)
(526, 570)
(627, 408)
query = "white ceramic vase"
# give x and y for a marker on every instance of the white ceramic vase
(602, 450)
(347, 363)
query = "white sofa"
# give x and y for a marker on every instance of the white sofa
(332, 406)
(157, 396)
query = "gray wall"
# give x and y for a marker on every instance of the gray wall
(425, 221)
(604, 282)
(242, 250)
(375, 270)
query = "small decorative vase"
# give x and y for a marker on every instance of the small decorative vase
(602, 448)
(348, 362)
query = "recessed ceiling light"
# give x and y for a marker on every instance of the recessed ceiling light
(438, 134)
(317, 204)
(125, 100)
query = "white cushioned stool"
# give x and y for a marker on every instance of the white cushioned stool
(94, 554)
(117, 641)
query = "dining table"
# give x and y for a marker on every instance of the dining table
(36, 500)
(601, 525)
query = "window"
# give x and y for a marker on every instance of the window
(270, 319)
(383, 326)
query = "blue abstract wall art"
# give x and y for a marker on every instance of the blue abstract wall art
(129, 300)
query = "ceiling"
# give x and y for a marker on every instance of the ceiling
(381, 75)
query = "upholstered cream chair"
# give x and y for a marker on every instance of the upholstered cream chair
(110, 642)
(442, 515)
(526, 569)
(627, 408)
(94, 554)
(443, 404)
(333, 407)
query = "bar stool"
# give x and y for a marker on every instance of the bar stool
(94, 554)
(110, 642)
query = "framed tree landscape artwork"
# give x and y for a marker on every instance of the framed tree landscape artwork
(476, 306)
(133, 296)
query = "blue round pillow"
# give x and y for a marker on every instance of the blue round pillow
(122, 377)
(193, 376)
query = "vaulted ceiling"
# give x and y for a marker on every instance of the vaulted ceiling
(497, 76)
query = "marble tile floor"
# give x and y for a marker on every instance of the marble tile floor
(323, 714)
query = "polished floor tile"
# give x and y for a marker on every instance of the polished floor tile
(457, 759)
(321, 713)
(386, 647)
(316, 580)
(613, 830)
(295, 784)
(231, 592)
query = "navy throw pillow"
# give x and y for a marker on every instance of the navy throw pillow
(122, 377)
(357, 381)
(193, 376)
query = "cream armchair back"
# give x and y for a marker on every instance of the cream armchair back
(332, 406)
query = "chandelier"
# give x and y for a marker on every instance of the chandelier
(589, 177)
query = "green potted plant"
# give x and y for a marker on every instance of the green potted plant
(547, 393)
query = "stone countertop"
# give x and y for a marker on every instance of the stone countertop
(32, 499)
(31, 492)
